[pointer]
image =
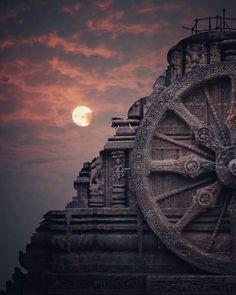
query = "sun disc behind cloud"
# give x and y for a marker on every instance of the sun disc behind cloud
(82, 116)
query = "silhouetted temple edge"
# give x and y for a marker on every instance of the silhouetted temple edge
(155, 212)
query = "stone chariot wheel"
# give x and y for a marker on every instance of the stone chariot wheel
(184, 167)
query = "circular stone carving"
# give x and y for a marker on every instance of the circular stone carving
(192, 167)
(172, 201)
(204, 199)
(203, 134)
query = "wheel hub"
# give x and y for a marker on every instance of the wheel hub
(226, 166)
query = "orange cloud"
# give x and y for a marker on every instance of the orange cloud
(52, 40)
(6, 43)
(73, 45)
(169, 8)
(115, 25)
(151, 8)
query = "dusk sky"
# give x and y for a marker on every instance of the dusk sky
(56, 55)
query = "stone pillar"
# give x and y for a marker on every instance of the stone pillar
(118, 179)
(82, 186)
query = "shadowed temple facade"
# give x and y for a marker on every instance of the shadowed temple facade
(155, 212)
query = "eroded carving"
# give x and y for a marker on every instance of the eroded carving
(176, 63)
(119, 168)
(203, 134)
(192, 167)
(215, 54)
(118, 179)
(96, 176)
(195, 55)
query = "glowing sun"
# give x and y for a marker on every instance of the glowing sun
(82, 116)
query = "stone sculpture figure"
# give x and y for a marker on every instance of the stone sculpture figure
(96, 176)
(118, 171)
(215, 54)
(195, 55)
(176, 63)
(96, 182)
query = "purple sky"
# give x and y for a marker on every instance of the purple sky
(56, 55)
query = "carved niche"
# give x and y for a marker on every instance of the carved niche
(96, 183)
(118, 179)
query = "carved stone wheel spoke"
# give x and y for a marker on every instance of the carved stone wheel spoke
(184, 167)
(204, 135)
(189, 166)
(203, 199)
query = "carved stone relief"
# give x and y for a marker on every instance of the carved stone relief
(195, 55)
(118, 179)
(215, 54)
(176, 63)
(96, 183)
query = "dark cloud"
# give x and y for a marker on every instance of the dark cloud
(8, 13)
